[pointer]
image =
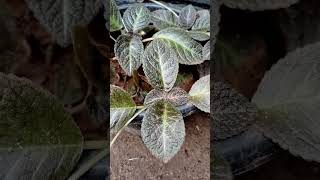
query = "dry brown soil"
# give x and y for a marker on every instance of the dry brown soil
(130, 159)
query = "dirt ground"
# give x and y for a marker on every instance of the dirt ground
(130, 160)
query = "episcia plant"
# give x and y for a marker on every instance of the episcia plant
(176, 39)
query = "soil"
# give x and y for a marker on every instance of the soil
(131, 160)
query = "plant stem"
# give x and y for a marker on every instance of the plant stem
(128, 122)
(139, 107)
(165, 6)
(148, 39)
(91, 162)
(95, 144)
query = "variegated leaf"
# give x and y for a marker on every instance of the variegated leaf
(188, 50)
(136, 17)
(129, 51)
(122, 107)
(200, 94)
(114, 19)
(176, 96)
(202, 23)
(163, 130)
(199, 35)
(232, 113)
(206, 51)
(289, 100)
(160, 65)
(60, 16)
(39, 139)
(162, 19)
(187, 17)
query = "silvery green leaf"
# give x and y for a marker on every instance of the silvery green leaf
(162, 19)
(202, 23)
(60, 16)
(232, 113)
(259, 5)
(200, 94)
(206, 51)
(136, 17)
(114, 19)
(187, 17)
(39, 139)
(162, 130)
(220, 168)
(188, 50)
(160, 65)
(122, 107)
(199, 35)
(289, 98)
(129, 50)
(176, 96)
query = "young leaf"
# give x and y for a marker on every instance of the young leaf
(289, 97)
(162, 130)
(114, 19)
(176, 96)
(122, 107)
(188, 50)
(202, 23)
(206, 51)
(232, 113)
(162, 19)
(187, 17)
(259, 5)
(59, 16)
(129, 50)
(136, 17)
(199, 35)
(37, 135)
(160, 65)
(200, 94)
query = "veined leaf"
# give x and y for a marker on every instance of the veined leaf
(176, 96)
(202, 23)
(259, 5)
(38, 138)
(114, 16)
(289, 98)
(122, 107)
(163, 130)
(162, 19)
(129, 51)
(206, 51)
(200, 94)
(136, 17)
(160, 65)
(199, 35)
(232, 113)
(187, 17)
(188, 50)
(60, 16)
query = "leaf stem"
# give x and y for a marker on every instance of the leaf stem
(165, 6)
(148, 39)
(139, 107)
(91, 162)
(125, 125)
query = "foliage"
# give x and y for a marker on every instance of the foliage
(178, 40)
